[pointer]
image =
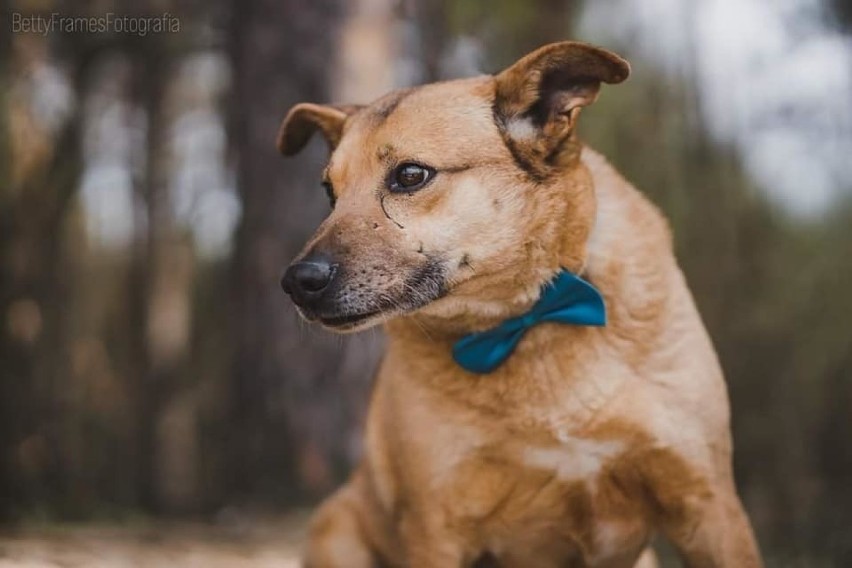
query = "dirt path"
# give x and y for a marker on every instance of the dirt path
(273, 543)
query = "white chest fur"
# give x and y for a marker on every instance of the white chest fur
(573, 459)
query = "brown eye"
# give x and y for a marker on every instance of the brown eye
(410, 177)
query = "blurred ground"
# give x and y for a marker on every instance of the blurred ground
(254, 544)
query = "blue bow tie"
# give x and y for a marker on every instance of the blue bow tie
(566, 299)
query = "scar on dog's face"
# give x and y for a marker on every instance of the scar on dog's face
(436, 188)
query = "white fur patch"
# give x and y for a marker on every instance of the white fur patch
(574, 460)
(609, 538)
(618, 538)
(521, 129)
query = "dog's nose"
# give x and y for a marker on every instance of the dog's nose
(307, 279)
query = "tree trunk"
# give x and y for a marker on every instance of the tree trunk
(297, 392)
(34, 203)
(160, 288)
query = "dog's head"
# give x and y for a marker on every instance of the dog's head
(449, 195)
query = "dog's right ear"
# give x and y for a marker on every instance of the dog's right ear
(306, 118)
(538, 99)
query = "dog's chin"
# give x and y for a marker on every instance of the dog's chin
(355, 322)
(347, 322)
(351, 322)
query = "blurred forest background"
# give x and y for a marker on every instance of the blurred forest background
(150, 365)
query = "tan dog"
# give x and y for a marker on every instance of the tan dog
(455, 203)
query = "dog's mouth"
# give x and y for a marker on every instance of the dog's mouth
(348, 321)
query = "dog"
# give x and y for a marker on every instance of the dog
(454, 204)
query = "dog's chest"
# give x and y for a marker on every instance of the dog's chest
(557, 504)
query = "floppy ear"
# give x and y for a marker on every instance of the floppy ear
(538, 99)
(306, 118)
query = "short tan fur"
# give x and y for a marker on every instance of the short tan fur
(586, 442)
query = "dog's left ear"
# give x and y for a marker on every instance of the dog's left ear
(306, 118)
(538, 99)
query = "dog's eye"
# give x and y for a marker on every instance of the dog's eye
(410, 177)
(329, 191)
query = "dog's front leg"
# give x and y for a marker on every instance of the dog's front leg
(337, 534)
(713, 531)
(428, 544)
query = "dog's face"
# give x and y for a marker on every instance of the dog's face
(443, 192)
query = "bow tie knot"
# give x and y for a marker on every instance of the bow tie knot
(567, 299)
(529, 319)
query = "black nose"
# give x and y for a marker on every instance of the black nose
(307, 279)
